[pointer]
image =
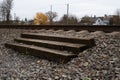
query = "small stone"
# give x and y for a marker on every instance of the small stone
(86, 78)
(69, 78)
(56, 77)
(64, 76)
(32, 63)
(38, 61)
(0, 62)
(49, 78)
(85, 64)
(77, 79)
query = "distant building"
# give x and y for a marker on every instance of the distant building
(95, 20)
(101, 21)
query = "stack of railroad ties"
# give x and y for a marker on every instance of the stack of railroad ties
(51, 47)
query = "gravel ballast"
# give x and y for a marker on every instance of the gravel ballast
(101, 62)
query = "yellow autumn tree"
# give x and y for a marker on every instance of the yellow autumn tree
(40, 18)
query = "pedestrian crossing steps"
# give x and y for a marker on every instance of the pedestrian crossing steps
(51, 47)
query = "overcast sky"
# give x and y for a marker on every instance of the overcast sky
(28, 8)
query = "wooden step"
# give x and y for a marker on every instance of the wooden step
(45, 53)
(75, 48)
(88, 41)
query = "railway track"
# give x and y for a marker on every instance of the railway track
(90, 28)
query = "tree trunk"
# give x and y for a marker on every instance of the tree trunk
(8, 17)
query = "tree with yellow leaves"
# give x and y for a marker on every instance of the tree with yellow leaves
(40, 18)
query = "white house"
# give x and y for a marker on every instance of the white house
(100, 21)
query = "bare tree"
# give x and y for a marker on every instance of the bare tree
(51, 15)
(6, 7)
(71, 19)
(118, 12)
(86, 20)
(2, 12)
(116, 18)
(63, 19)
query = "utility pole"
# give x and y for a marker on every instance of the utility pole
(51, 8)
(51, 14)
(67, 12)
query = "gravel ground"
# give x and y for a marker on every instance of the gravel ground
(101, 62)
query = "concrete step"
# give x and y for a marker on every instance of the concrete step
(72, 47)
(87, 41)
(45, 53)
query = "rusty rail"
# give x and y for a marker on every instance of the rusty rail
(108, 28)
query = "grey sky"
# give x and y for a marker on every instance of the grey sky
(28, 8)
